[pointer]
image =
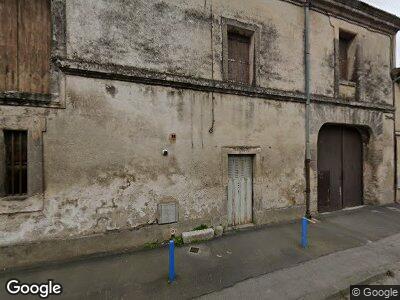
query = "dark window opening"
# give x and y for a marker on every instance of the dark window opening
(16, 162)
(240, 59)
(347, 56)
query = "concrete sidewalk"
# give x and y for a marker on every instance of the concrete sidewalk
(326, 277)
(224, 262)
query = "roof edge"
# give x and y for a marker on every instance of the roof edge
(359, 12)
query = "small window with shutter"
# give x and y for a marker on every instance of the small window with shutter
(239, 58)
(241, 51)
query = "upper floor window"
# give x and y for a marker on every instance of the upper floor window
(241, 51)
(15, 142)
(347, 55)
(239, 57)
(25, 37)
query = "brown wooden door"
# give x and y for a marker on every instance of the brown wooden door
(339, 168)
(352, 167)
(329, 170)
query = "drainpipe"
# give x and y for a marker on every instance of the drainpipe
(395, 74)
(308, 102)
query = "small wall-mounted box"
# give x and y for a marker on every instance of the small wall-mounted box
(167, 213)
(172, 137)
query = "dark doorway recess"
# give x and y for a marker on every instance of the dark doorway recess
(340, 168)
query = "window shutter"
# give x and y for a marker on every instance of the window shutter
(25, 46)
(239, 58)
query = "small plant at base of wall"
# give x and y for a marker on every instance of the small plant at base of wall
(200, 227)
(152, 245)
(178, 241)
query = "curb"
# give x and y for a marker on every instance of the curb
(345, 293)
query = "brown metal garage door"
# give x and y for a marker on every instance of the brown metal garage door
(339, 168)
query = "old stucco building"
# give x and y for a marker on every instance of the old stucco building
(122, 111)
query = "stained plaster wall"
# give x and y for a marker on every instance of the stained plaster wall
(175, 37)
(103, 168)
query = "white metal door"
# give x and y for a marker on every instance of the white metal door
(240, 189)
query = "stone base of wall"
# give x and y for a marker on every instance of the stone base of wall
(279, 215)
(58, 250)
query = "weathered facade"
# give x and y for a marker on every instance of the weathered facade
(130, 79)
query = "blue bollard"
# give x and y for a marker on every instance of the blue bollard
(304, 225)
(171, 273)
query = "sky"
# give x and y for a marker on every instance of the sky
(392, 6)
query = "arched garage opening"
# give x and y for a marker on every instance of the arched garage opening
(340, 167)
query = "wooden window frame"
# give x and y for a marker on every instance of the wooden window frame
(249, 30)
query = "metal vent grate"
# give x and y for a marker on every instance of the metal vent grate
(194, 250)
